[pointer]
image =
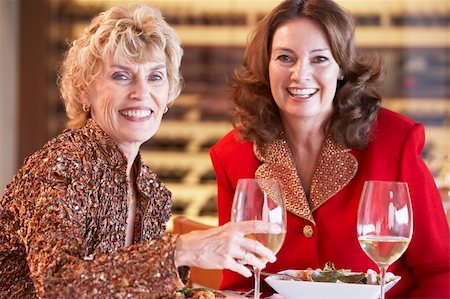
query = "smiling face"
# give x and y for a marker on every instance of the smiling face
(302, 71)
(128, 100)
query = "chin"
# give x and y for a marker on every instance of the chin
(143, 139)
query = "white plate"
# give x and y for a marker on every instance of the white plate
(291, 289)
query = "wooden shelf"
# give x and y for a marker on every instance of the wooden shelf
(214, 34)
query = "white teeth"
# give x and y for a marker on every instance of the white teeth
(302, 92)
(135, 113)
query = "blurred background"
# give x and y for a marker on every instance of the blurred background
(412, 37)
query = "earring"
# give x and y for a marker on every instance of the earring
(165, 110)
(86, 108)
(341, 77)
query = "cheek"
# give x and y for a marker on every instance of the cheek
(330, 74)
(279, 74)
(273, 73)
(330, 87)
(329, 79)
(103, 103)
(275, 80)
(161, 96)
(102, 108)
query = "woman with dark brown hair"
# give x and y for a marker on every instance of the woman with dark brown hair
(307, 111)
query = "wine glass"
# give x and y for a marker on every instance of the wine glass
(260, 199)
(385, 223)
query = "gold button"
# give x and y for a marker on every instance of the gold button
(308, 231)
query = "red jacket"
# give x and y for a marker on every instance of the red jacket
(393, 154)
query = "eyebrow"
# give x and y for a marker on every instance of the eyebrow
(157, 67)
(289, 50)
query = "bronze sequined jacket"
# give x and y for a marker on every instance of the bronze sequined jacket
(63, 220)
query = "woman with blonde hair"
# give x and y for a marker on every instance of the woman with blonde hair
(84, 217)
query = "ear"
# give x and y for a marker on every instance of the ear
(341, 75)
(83, 97)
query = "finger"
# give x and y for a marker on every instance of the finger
(257, 249)
(235, 266)
(254, 261)
(258, 226)
(242, 256)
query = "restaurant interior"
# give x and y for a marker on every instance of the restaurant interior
(412, 37)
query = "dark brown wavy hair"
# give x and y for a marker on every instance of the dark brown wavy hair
(356, 102)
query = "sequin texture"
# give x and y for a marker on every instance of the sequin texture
(63, 220)
(335, 168)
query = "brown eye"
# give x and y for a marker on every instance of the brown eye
(320, 59)
(285, 58)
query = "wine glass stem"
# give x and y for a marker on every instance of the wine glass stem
(382, 280)
(257, 274)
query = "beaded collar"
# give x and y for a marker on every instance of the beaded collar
(335, 168)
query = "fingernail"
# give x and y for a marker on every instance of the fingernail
(248, 274)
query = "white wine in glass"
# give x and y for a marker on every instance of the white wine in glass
(385, 223)
(260, 199)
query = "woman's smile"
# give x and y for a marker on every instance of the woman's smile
(302, 93)
(136, 114)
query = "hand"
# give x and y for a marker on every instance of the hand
(226, 247)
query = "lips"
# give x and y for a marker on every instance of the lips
(302, 92)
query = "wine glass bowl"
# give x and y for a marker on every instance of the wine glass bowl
(385, 223)
(260, 199)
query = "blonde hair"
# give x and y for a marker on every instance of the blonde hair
(138, 33)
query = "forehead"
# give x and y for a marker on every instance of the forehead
(143, 56)
(301, 32)
(156, 57)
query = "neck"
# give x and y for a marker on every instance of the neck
(130, 153)
(304, 133)
(305, 139)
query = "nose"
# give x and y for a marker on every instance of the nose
(301, 71)
(140, 90)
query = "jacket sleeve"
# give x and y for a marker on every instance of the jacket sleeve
(232, 159)
(428, 253)
(47, 219)
(225, 190)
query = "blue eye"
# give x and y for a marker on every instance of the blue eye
(156, 77)
(120, 77)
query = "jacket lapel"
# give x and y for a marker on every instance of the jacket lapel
(335, 168)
